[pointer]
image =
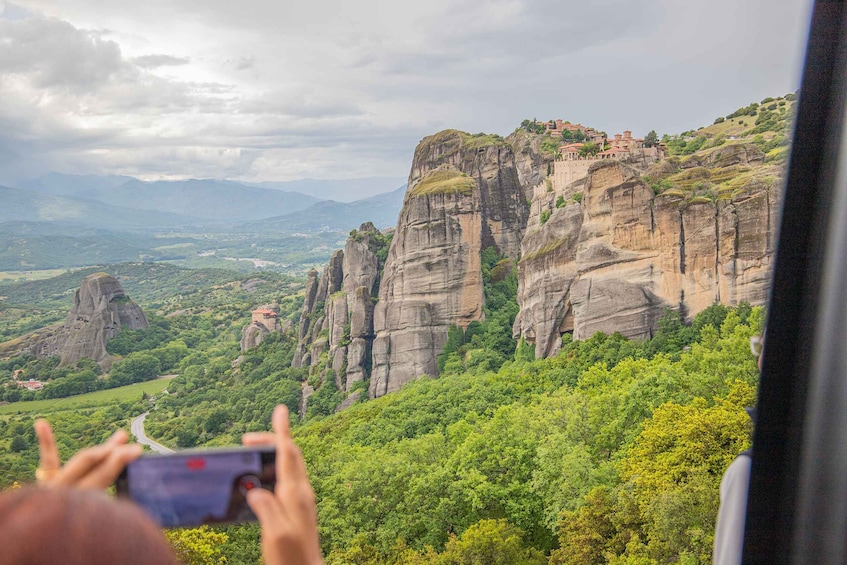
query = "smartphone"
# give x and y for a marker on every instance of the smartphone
(198, 486)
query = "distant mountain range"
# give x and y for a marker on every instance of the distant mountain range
(67, 221)
(329, 215)
(73, 185)
(17, 205)
(126, 203)
(194, 198)
(345, 190)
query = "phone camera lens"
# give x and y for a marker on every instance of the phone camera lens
(248, 483)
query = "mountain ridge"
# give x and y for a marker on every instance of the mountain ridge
(381, 210)
(20, 204)
(206, 199)
(340, 190)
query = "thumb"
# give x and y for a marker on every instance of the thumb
(265, 506)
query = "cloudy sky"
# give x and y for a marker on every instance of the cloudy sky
(271, 90)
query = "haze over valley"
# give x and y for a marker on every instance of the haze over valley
(61, 221)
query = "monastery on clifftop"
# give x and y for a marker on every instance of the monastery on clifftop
(572, 162)
(571, 166)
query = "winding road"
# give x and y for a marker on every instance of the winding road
(137, 428)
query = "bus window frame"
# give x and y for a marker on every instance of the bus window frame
(797, 504)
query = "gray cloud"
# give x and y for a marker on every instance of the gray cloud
(54, 53)
(241, 63)
(13, 12)
(268, 90)
(305, 103)
(153, 61)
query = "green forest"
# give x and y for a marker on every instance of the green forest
(607, 453)
(610, 452)
(612, 449)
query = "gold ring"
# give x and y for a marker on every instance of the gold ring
(42, 474)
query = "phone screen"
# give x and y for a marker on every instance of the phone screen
(198, 487)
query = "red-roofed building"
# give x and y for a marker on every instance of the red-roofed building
(570, 166)
(570, 151)
(614, 153)
(267, 318)
(265, 313)
(557, 127)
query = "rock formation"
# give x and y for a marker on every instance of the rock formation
(464, 195)
(488, 160)
(603, 253)
(100, 310)
(265, 319)
(336, 329)
(615, 258)
(531, 163)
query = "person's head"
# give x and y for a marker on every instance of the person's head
(72, 526)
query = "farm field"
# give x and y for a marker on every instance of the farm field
(90, 400)
(19, 276)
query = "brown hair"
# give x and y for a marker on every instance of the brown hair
(75, 526)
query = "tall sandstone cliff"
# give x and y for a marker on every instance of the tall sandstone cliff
(464, 195)
(100, 310)
(615, 259)
(604, 253)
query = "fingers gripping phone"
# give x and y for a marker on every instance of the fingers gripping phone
(195, 487)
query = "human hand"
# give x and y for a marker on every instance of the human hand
(90, 468)
(288, 516)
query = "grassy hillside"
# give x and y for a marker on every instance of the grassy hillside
(78, 422)
(747, 149)
(766, 124)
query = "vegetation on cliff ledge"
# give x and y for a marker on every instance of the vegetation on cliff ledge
(444, 181)
(743, 151)
(450, 141)
(479, 140)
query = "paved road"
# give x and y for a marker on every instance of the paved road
(137, 428)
